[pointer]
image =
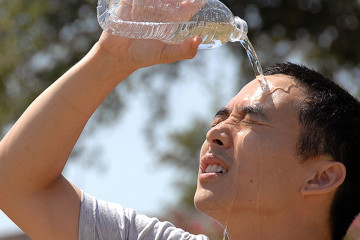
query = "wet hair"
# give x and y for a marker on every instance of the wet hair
(329, 119)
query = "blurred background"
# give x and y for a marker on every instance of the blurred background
(141, 147)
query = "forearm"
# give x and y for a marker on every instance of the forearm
(34, 152)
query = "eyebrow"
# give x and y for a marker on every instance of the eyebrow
(223, 112)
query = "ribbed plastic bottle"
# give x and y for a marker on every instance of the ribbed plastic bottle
(172, 21)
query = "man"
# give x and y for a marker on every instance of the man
(270, 168)
(282, 155)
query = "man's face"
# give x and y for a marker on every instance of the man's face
(248, 162)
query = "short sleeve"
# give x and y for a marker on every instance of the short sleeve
(100, 220)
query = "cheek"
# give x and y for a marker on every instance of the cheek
(204, 148)
(269, 168)
(249, 151)
(250, 161)
(256, 160)
(262, 157)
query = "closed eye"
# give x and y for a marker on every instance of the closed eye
(249, 122)
(216, 121)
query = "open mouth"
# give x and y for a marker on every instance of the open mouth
(214, 168)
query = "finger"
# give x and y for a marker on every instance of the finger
(189, 8)
(190, 46)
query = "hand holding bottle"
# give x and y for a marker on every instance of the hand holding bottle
(132, 54)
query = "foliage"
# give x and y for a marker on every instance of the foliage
(183, 153)
(323, 33)
(40, 40)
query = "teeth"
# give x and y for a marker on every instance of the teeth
(219, 169)
(214, 168)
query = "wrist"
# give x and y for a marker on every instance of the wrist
(118, 50)
(111, 65)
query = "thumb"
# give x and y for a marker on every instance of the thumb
(187, 50)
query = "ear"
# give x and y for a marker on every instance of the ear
(325, 177)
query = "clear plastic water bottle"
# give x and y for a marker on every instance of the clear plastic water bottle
(172, 21)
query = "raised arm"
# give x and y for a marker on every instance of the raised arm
(33, 193)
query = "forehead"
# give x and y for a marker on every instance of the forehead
(281, 99)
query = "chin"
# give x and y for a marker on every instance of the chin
(204, 199)
(208, 203)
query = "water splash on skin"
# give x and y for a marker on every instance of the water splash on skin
(285, 90)
(258, 195)
(229, 211)
(263, 83)
(225, 234)
(258, 97)
(259, 173)
(229, 208)
(265, 90)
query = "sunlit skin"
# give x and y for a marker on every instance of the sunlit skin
(254, 139)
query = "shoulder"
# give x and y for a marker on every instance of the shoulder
(104, 220)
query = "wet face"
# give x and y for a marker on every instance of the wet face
(248, 163)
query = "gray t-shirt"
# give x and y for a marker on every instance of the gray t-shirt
(100, 220)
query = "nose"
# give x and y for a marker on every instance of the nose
(219, 136)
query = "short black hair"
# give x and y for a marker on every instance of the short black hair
(329, 119)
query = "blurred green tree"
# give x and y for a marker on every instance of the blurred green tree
(40, 40)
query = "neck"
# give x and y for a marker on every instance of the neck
(279, 226)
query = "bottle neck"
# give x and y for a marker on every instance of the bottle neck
(237, 35)
(240, 30)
